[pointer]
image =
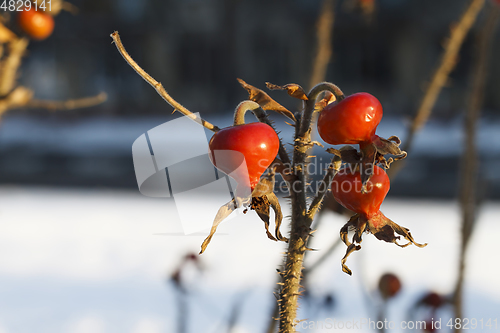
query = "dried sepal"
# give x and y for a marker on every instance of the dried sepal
(374, 153)
(223, 212)
(261, 207)
(405, 232)
(278, 215)
(344, 231)
(389, 146)
(348, 154)
(354, 224)
(380, 226)
(292, 89)
(265, 184)
(264, 100)
(263, 198)
(350, 249)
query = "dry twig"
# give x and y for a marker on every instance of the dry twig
(158, 86)
(324, 27)
(448, 62)
(469, 200)
(68, 104)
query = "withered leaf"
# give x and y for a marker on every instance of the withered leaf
(264, 100)
(292, 89)
(223, 212)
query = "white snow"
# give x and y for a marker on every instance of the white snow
(99, 261)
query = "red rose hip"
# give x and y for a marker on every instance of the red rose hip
(36, 24)
(257, 143)
(353, 120)
(346, 189)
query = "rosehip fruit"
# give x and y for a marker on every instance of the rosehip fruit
(353, 120)
(256, 144)
(36, 24)
(346, 189)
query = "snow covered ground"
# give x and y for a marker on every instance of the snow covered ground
(99, 261)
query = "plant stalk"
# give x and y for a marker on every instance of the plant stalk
(301, 220)
(469, 177)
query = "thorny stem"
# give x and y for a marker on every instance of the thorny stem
(470, 159)
(448, 62)
(158, 86)
(301, 220)
(323, 56)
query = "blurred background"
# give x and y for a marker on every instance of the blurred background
(82, 251)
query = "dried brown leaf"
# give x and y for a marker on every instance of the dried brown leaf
(292, 89)
(264, 100)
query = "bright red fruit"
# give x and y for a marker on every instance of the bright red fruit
(36, 24)
(258, 143)
(346, 189)
(353, 120)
